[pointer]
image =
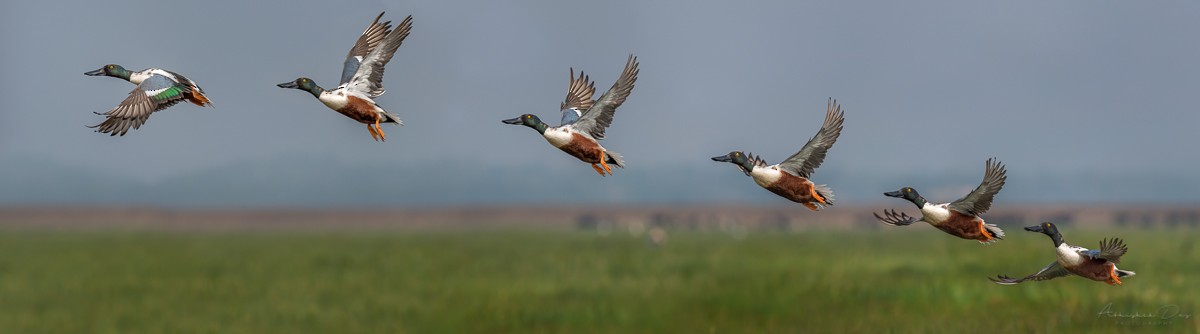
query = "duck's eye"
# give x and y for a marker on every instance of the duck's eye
(528, 116)
(110, 67)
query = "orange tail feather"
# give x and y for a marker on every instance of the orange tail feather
(198, 98)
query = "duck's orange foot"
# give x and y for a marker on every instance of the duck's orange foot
(984, 235)
(598, 169)
(818, 197)
(382, 136)
(1112, 276)
(810, 206)
(374, 135)
(604, 164)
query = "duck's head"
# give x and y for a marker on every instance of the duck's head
(1048, 229)
(907, 193)
(304, 84)
(112, 70)
(744, 161)
(529, 120)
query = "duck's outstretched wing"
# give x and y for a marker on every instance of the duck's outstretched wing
(980, 199)
(597, 118)
(804, 162)
(579, 98)
(1110, 250)
(370, 38)
(891, 217)
(368, 79)
(153, 94)
(1051, 271)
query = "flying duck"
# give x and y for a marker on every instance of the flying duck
(584, 120)
(1097, 265)
(790, 178)
(959, 218)
(156, 90)
(362, 77)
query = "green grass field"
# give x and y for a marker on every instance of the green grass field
(890, 280)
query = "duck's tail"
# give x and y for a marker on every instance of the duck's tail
(995, 231)
(825, 193)
(391, 118)
(197, 97)
(614, 159)
(1123, 273)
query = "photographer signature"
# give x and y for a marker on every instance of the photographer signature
(1166, 312)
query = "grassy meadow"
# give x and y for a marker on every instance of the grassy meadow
(889, 280)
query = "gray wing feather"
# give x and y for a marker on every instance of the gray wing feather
(895, 219)
(368, 79)
(1110, 250)
(980, 199)
(804, 162)
(1051, 271)
(597, 118)
(137, 107)
(370, 38)
(579, 92)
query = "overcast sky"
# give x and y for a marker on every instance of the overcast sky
(929, 87)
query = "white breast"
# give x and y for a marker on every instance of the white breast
(765, 176)
(335, 99)
(137, 77)
(559, 137)
(1069, 255)
(935, 213)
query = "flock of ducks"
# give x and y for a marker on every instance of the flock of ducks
(583, 123)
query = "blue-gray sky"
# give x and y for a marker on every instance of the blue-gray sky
(1084, 100)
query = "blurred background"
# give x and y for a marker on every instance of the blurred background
(271, 212)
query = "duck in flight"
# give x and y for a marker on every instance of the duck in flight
(584, 120)
(1094, 264)
(362, 77)
(959, 218)
(790, 178)
(156, 90)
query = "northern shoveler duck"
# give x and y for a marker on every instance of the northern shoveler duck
(156, 90)
(584, 120)
(790, 178)
(1097, 265)
(362, 77)
(959, 218)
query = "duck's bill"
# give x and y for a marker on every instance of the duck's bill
(1034, 228)
(513, 121)
(289, 84)
(896, 193)
(95, 73)
(722, 158)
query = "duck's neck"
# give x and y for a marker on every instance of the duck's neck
(125, 75)
(747, 165)
(539, 126)
(920, 202)
(1057, 239)
(315, 90)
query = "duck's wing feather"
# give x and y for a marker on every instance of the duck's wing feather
(597, 118)
(891, 217)
(804, 162)
(368, 78)
(1051, 271)
(370, 38)
(1110, 250)
(155, 93)
(980, 200)
(579, 97)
